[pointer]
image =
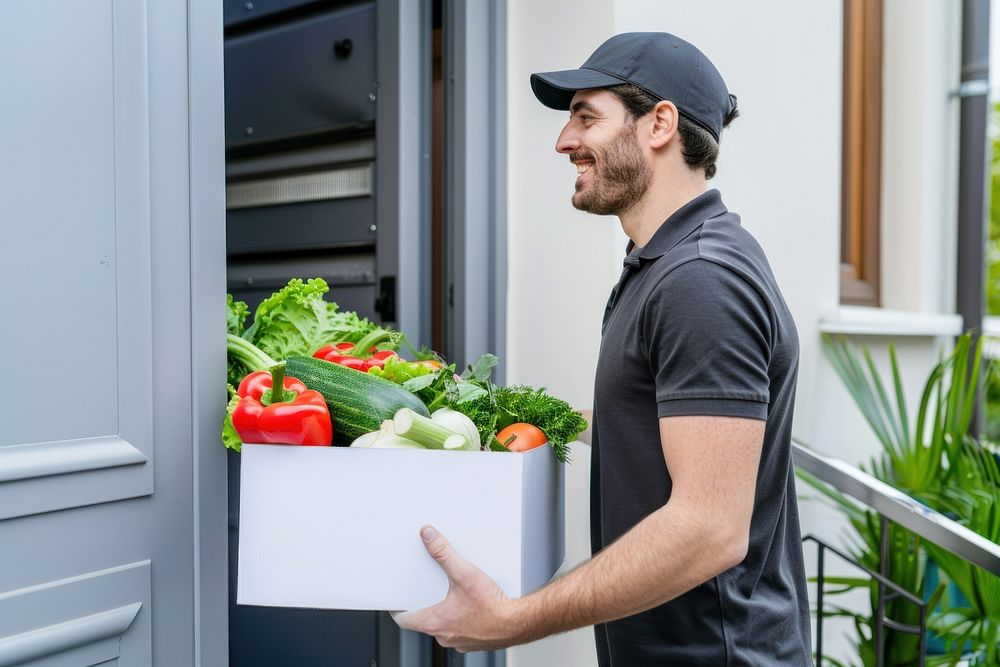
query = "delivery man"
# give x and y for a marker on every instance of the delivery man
(697, 554)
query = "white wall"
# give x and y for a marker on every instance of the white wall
(563, 263)
(779, 169)
(922, 59)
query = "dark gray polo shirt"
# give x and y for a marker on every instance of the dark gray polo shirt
(697, 326)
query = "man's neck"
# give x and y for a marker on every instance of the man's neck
(660, 202)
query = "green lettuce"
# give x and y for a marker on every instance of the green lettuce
(230, 438)
(236, 315)
(296, 321)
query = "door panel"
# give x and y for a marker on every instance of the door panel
(82, 241)
(107, 139)
(31, 481)
(74, 110)
(84, 620)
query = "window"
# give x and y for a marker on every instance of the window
(861, 166)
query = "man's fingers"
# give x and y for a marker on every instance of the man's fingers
(417, 619)
(404, 619)
(452, 564)
(441, 551)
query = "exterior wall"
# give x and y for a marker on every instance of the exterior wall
(920, 154)
(562, 263)
(780, 169)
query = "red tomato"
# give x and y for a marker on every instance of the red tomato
(526, 436)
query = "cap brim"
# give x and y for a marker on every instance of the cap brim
(556, 89)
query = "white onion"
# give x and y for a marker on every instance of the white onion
(384, 438)
(459, 423)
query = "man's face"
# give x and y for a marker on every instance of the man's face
(601, 140)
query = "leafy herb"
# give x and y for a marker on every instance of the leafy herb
(560, 422)
(462, 392)
(418, 384)
(481, 368)
(482, 410)
(442, 389)
(433, 389)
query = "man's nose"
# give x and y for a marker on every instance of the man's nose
(567, 141)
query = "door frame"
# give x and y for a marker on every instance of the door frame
(475, 62)
(207, 188)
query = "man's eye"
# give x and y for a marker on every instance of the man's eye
(586, 119)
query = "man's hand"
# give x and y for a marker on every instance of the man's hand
(700, 532)
(475, 616)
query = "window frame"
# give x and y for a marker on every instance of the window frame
(862, 153)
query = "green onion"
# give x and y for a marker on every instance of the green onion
(408, 424)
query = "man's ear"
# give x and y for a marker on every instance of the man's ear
(665, 120)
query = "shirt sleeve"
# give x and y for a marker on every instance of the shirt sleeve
(707, 332)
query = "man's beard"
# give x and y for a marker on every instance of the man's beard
(621, 178)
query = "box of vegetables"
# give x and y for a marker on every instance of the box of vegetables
(351, 440)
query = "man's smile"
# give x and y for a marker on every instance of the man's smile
(583, 165)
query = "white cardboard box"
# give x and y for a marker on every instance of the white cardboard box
(338, 528)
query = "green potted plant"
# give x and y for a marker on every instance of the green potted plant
(938, 463)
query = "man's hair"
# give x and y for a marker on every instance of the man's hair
(699, 147)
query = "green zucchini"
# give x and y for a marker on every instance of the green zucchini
(359, 402)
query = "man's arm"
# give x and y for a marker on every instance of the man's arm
(700, 532)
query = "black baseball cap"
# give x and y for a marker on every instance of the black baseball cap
(664, 65)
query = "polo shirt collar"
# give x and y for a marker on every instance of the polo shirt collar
(682, 222)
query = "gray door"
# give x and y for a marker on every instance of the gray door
(112, 481)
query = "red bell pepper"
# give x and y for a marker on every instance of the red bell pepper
(378, 359)
(293, 415)
(358, 355)
(341, 353)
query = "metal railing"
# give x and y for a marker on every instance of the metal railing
(899, 508)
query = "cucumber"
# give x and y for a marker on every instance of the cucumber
(359, 402)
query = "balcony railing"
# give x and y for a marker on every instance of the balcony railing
(893, 506)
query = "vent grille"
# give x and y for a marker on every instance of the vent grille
(333, 184)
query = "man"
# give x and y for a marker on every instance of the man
(697, 554)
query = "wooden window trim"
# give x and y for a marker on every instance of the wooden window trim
(862, 153)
